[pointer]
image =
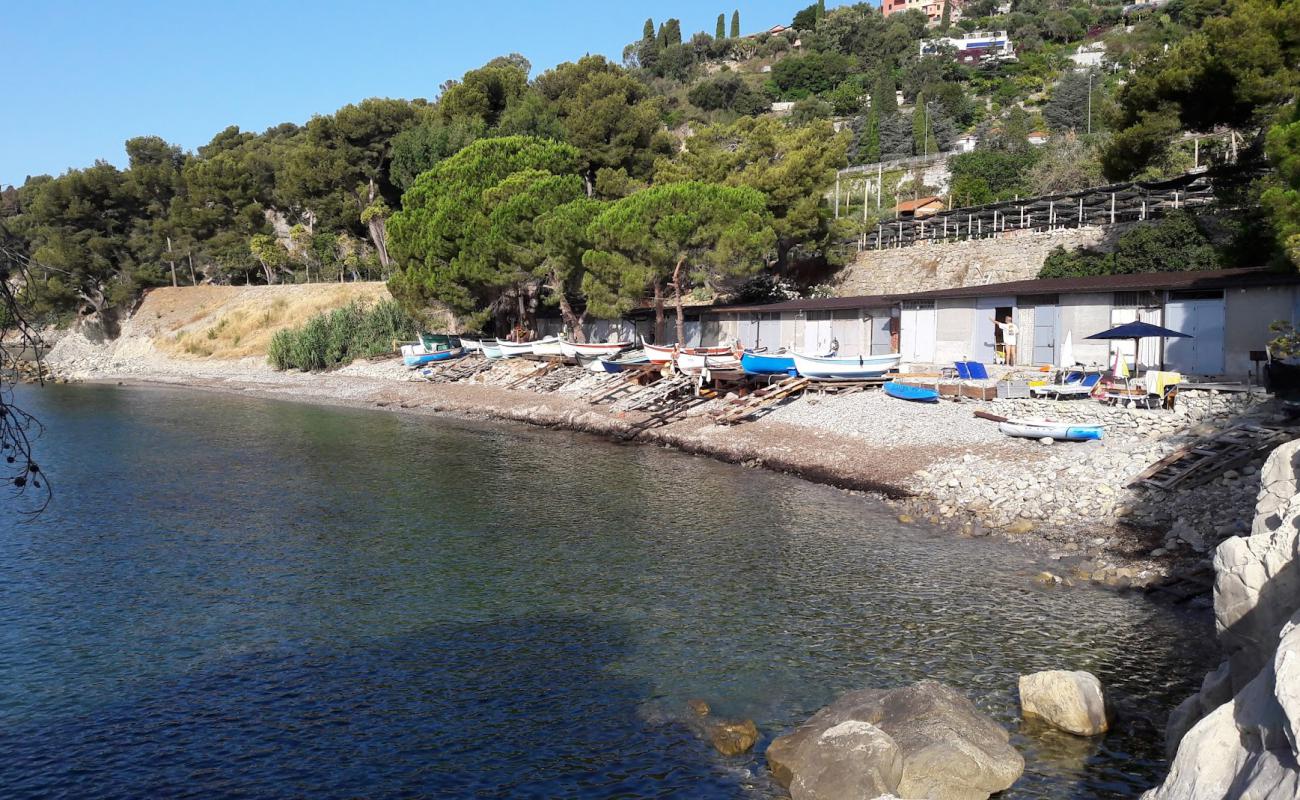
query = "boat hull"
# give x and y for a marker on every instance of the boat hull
(514, 349)
(420, 359)
(599, 348)
(758, 364)
(657, 354)
(845, 367)
(916, 394)
(1042, 429)
(707, 361)
(550, 346)
(492, 349)
(471, 345)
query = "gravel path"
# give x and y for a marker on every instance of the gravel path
(880, 419)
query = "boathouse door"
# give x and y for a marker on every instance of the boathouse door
(984, 345)
(1199, 314)
(1045, 334)
(916, 334)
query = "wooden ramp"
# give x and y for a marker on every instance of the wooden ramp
(549, 366)
(1201, 462)
(743, 408)
(657, 396)
(459, 370)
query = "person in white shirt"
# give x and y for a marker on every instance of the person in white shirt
(1009, 333)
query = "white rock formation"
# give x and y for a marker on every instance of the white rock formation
(1071, 701)
(1238, 737)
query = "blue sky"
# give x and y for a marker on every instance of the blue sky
(86, 76)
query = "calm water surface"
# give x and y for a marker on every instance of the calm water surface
(241, 598)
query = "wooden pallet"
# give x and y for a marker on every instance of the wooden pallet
(743, 408)
(845, 387)
(547, 367)
(1201, 462)
(617, 385)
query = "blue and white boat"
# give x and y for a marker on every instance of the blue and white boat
(917, 394)
(414, 355)
(767, 363)
(841, 368)
(1047, 429)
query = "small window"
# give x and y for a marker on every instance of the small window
(1136, 300)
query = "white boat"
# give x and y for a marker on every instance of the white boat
(512, 349)
(593, 348)
(845, 367)
(1047, 429)
(491, 348)
(472, 345)
(662, 355)
(550, 346)
(688, 361)
(567, 349)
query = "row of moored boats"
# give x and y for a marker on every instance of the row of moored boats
(616, 356)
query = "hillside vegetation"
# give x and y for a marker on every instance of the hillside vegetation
(595, 187)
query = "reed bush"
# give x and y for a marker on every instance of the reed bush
(335, 338)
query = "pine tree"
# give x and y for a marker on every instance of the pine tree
(735, 24)
(648, 32)
(722, 27)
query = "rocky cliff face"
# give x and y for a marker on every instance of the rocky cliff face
(1240, 735)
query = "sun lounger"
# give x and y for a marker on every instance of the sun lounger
(1082, 387)
(972, 371)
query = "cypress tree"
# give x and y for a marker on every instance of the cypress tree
(882, 96)
(946, 20)
(648, 32)
(869, 140)
(722, 27)
(674, 31)
(735, 24)
(662, 38)
(821, 9)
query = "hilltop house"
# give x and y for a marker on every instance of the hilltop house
(933, 9)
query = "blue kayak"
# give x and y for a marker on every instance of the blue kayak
(763, 364)
(914, 393)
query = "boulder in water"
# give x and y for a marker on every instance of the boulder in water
(732, 737)
(852, 759)
(949, 750)
(1071, 701)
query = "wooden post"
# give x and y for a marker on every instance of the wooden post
(837, 195)
(1022, 217)
(194, 280)
(1112, 208)
(866, 186)
(1081, 211)
(880, 234)
(1051, 215)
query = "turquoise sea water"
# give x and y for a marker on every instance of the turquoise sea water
(233, 597)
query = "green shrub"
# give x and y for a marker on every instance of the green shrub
(336, 338)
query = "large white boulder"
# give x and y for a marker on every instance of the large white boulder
(949, 749)
(1073, 701)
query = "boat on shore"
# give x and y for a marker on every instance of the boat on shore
(687, 360)
(617, 363)
(593, 348)
(491, 349)
(1047, 429)
(414, 355)
(755, 363)
(916, 394)
(660, 354)
(548, 346)
(515, 349)
(472, 345)
(847, 368)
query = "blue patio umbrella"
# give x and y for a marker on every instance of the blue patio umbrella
(1137, 331)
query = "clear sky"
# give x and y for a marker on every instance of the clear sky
(86, 76)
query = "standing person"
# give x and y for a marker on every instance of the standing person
(1009, 333)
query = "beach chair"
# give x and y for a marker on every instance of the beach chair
(977, 371)
(1068, 390)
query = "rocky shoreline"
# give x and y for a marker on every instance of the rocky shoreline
(934, 463)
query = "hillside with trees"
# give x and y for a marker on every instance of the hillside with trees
(595, 186)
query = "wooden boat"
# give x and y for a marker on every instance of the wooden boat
(626, 359)
(513, 349)
(845, 367)
(690, 360)
(1041, 428)
(492, 348)
(917, 394)
(472, 345)
(549, 346)
(756, 363)
(598, 348)
(657, 354)
(413, 355)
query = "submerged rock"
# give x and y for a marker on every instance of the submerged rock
(732, 737)
(852, 759)
(1071, 701)
(949, 749)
